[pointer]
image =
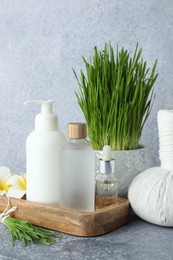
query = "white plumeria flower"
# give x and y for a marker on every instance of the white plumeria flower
(4, 176)
(17, 185)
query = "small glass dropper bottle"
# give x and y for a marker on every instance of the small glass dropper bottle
(106, 182)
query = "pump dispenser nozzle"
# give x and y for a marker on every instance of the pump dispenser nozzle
(46, 105)
(46, 120)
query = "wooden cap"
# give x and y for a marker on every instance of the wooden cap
(76, 130)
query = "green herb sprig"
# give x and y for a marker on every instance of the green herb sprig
(27, 233)
(116, 97)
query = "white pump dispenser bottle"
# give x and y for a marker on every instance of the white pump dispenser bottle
(42, 155)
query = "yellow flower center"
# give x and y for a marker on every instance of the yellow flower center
(4, 186)
(22, 182)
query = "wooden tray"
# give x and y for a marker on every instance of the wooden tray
(99, 222)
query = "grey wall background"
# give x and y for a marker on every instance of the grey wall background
(40, 41)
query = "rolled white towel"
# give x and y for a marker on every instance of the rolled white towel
(165, 122)
(165, 129)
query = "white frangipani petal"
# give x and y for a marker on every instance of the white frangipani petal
(17, 184)
(4, 173)
(2, 192)
(15, 192)
(14, 180)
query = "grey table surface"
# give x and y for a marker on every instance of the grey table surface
(137, 240)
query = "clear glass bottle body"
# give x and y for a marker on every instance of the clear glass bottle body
(77, 177)
(106, 189)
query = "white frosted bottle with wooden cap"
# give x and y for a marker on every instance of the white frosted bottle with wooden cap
(77, 177)
(42, 156)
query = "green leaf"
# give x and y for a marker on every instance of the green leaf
(27, 233)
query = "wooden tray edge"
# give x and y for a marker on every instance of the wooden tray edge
(95, 223)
